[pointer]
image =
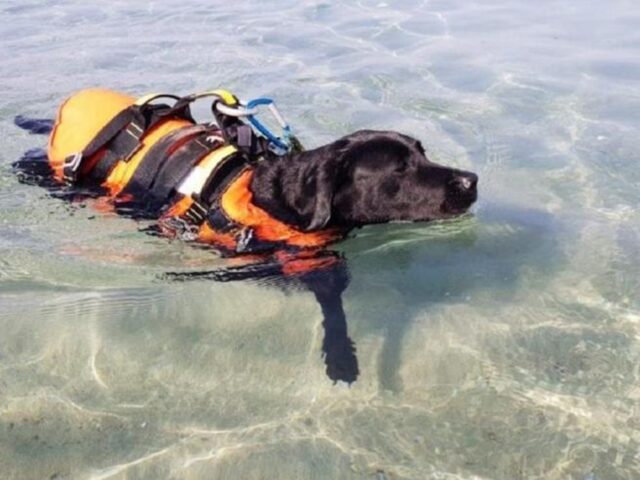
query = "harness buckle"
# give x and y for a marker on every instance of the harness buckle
(196, 213)
(244, 239)
(180, 227)
(70, 167)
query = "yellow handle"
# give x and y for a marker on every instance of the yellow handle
(226, 96)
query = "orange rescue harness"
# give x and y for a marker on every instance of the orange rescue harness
(157, 154)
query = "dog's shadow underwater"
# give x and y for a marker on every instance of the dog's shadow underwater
(327, 283)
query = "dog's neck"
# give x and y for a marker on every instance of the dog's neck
(286, 186)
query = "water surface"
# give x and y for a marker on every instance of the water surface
(502, 345)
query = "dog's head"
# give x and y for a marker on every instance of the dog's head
(378, 177)
(364, 178)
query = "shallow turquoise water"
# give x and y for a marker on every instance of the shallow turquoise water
(502, 345)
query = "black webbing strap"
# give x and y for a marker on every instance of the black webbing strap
(233, 130)
(122, 135)
(129, 140)
(206, 204)
(169, 161)
(206, 207)
(215, 187)
(131, 119)
(181, 162)
(221, 178)
(153, 159)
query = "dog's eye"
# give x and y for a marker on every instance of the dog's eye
(401, 166)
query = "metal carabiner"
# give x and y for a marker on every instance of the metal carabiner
(239, 111)
(283, 143)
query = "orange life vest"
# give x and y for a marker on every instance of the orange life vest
(237, 206)
(98, 127)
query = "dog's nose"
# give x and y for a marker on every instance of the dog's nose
(465, 181)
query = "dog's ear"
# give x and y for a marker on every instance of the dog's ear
(326, 179)
(325, 187)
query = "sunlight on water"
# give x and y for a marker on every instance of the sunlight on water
(503, 344)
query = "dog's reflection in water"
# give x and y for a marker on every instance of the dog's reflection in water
(323, 273)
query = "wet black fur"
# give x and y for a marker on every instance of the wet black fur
(364, 178)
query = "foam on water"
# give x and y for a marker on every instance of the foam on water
(504, 344)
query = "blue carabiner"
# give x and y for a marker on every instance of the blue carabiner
(280, 143)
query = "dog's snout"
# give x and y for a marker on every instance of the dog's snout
(465, 181)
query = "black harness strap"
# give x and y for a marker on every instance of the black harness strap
(131, 119)
(122, 137)
(180, 164)
(244, 138)
(154, 159)
(222, 177)
(233, 130)
(206, 208)
(246, 240)
(165, 166)
(127, 141)
(206, 204)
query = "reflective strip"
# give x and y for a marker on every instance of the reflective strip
(196, 179)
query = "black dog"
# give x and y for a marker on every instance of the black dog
(364, 178)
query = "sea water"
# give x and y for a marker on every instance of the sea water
(501, 345)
